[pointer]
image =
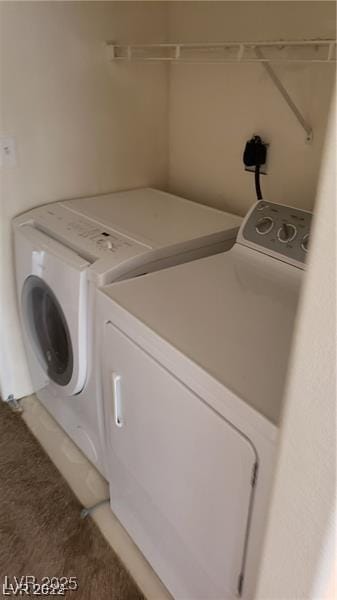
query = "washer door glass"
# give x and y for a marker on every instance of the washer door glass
(48, 329)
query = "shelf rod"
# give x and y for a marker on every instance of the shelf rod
(219, 61)
(285, 95)
(251, 44)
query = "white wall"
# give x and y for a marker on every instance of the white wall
(82, 126)
(300, 556)
(214, 109)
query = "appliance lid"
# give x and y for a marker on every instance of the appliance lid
(123, 230)
(232, 314)
(155, 218)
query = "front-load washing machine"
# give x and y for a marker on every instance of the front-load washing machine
(194, 362)
(63, 251)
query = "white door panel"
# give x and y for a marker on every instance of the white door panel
(52, 294)
(180, 475)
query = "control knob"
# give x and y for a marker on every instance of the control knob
(305, 243)
(264, 225)
(262, 206)
(107, 244)
(286, 233)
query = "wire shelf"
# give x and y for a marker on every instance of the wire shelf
(266, 53)
(277, 51)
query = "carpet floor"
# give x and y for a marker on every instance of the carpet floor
(41, 532)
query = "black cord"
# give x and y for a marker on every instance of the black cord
(257, 182)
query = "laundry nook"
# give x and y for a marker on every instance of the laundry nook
(168, 299)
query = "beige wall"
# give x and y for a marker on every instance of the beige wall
(214, 109)
(300, 549)
(82, 126)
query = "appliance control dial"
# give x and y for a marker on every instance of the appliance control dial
(286, 233)
(106, 244)
(264, 225)
(305, 243)
(261, 206)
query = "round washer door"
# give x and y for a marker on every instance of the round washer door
(48, 330)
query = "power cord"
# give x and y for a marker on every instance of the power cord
(257, 183)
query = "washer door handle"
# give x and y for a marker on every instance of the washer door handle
(37, 262)
(117, 400)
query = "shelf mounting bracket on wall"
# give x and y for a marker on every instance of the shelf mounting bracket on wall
(279, 85)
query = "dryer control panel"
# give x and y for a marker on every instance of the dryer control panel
(86, 236)
(278, 230)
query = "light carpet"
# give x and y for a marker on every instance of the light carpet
(41, 532)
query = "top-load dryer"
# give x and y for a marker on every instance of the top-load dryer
(194, 361)
(63, 251)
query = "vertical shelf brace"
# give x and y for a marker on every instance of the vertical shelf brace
(285, 95)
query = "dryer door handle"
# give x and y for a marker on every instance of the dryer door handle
(117, 400)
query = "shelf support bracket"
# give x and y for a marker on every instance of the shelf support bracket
(285, 95)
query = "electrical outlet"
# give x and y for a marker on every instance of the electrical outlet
(7, 152)
(256, 153)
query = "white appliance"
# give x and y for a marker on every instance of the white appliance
(63, 251)
(194, 361)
